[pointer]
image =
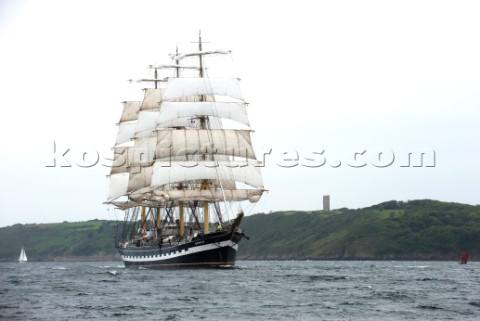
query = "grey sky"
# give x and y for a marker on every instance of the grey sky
(338, 77)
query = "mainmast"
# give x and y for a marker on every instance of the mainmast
(203, 125)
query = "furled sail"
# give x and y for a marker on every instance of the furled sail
(164, 196)
(201, 53)
(172, 67)
(253, 195)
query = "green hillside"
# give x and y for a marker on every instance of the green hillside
(47, 241)
(420, 229)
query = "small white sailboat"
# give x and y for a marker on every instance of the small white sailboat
(23, 256)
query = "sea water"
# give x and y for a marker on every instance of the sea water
(253, 290)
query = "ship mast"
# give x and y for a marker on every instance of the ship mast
(200, 49)
(203, 125)
(177, 63)
(203, 121)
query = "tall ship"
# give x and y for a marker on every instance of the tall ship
(184, 169)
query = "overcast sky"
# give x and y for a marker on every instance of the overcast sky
(342, 78)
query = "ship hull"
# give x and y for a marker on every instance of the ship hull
(212, 250)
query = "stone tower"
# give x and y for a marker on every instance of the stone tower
(326, 202)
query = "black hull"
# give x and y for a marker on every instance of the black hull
(212, 250)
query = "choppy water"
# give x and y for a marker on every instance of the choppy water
(254, 290)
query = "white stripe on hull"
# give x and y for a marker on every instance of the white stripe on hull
(192, 250)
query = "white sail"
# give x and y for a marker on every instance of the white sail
(118, 185)
(130, 110)
(165, 172)
(187, 123)
(152, 98)
(147, 121)
(140, 179)
(23, 256)
(125, 132)
(142, 154)
(176, 110)
(184, 87)
(121, 160)
(214, 123)
(128, 122)
(204, 142)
